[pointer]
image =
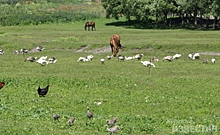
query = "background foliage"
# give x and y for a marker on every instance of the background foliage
(41, 12)
(167, 13)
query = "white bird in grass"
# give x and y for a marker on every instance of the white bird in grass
(177, 56)
(22, 51)
(39, 48)
(52, 60)
(83, 59)
(102, 61)
(213, 60)
(129, 58)
(169, 58)
(196, 56)
(1, 52)
(90, 57)
(31, 59)
(138, 56)
(113, 129)
(16, 52)
(109, 57)
(190, 56)
(42, 60)
(147, 63)
(121, 58)
(98, 103)
(155, 59)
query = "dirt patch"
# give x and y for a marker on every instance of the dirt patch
(95, 51)
(83, 48)
(100, 50)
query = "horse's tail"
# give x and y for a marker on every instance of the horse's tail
(94, 25)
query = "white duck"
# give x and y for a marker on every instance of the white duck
(147, 63)
(42, 60)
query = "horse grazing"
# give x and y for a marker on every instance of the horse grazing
(90, 24)
(115, 44)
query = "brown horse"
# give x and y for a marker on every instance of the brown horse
(115, 44)
(90, 24)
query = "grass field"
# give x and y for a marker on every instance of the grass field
(178, 97)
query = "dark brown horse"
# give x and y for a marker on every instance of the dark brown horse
(115, 44)
(90, 24)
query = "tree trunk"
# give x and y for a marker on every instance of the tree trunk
(207, 23)
(195, 18)
(172, 17)
(182, 20)
(200, 19)
(187, 19)
(165, 18)
(214, 23)
(157, 20)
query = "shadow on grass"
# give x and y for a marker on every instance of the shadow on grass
(173, 23)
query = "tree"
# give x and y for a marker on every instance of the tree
(196, 10)
(215, 11)
(113, 8)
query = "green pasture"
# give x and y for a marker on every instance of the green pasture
(178, 97)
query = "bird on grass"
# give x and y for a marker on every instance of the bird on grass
(147, 63)
(42, 60)
(55, 116)
(98, 103)
(109, 57)
(71, 121)
(213, 60)
(89, 113)
(31, 59)
(43, 91)
(2, 84)
(112, 121)
(113, 129)
(102, 61)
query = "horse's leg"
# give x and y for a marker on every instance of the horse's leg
(112, 48)
(116, 51)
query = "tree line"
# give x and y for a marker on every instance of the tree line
(167, 13)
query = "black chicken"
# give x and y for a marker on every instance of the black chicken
(43, 91)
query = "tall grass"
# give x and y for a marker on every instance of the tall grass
(46, 13)
(176, 94)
